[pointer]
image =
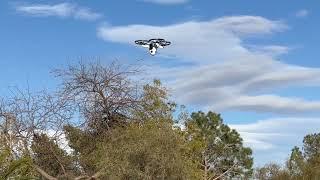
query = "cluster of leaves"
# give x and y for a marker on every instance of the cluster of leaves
(14, 168)
(302, 164)
(151, 151)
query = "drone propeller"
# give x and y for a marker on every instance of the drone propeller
(165, 43)
(157, 40)
(141, 42)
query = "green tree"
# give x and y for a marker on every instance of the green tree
(152, 150)
(154, 103)
(84, 146)
(50, 157)
(296, 163)
(311, 152)
(311, 147)
(218, 149)
(14, 168)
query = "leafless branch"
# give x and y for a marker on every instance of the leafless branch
(224, 173)
(44, 174)
(100, 92)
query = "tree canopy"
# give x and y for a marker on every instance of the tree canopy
(101, 123)
(218, 149)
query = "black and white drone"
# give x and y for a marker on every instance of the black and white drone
(153, 44)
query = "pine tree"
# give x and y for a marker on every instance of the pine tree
(218, 149)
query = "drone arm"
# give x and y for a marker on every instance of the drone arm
(141, 42)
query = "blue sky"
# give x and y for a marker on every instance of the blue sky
(254, 62)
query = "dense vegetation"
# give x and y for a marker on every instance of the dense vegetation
(102, 123)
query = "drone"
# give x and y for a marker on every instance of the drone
(153, 44)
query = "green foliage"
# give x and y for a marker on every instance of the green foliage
(50, 157)
(311, 147)
(311, 152)
(153, 106)
(296, 163)
(152, 150)
(11, 168)
(84, 145)
(217, 148)
(154, 103)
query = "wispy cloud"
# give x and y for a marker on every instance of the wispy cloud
(166, 2)
(59, 10)
(217, 70)
(199, 41)
(270, 136)
(272, 50)
(302, 13)
(225, 74)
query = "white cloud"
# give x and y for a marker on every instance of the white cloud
(224, 73)
(302, 13)
(215, 68)
(231, 85)
(271, 136)
(59, 10)
(60, 138)
(249, 25)
(271, 103)
(62, 10)
(166, 2)
(209, 41)
(271, 50)
(86, 14)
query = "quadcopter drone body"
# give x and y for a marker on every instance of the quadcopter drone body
(153, 44)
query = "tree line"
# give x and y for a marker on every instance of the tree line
(102, 123)
(302, 164)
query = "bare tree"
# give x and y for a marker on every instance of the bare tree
(24, 114)
(105, 95)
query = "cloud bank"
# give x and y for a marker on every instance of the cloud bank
(215, 68)
(224, 73)
(269, 137)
